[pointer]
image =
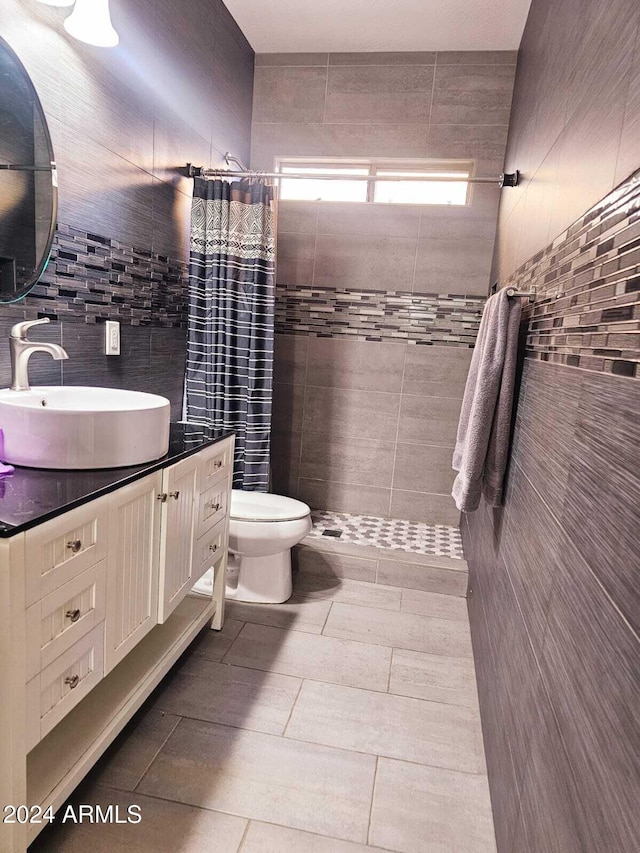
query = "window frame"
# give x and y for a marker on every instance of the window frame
(381, 164)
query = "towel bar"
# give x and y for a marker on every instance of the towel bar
(525, 294)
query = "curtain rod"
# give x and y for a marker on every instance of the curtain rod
(508, 179)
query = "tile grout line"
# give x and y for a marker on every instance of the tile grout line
(312, 832)
(304, 406)
(157, 753)
(239, 728)
(373, 794)
(326, 93)
(187, 805)
(399, 648)
(385, 393)
(460, 620)
(361, 123)
(222, 659)
(480, 774)
(295, 702)
(413, 274)
(343, 749)
(230, 726)
(395, 443)
(295, 629)
(313, 268)
(433, 93)
(326, 619)
(382, 691)
(244, 834)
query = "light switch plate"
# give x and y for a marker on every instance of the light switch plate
(112, 337)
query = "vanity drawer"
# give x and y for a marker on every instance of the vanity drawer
(57, 621)
(209, 548)
(212, 507)
(64, 683)
(211, 561)
(214, 464)
(60, 549)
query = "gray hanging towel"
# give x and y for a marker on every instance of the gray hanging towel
(482, 444)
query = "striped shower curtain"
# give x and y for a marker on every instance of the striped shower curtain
(231, 304)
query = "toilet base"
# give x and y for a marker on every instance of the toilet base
(265, 580)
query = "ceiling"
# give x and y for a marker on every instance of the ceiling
(321, 26)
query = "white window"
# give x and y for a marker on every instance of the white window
(448, 181)
(306, 189)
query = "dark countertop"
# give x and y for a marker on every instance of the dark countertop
(33, 495)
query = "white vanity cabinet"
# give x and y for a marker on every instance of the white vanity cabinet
(94, 610)
(133, 562)
(178, 502)
(194, 504)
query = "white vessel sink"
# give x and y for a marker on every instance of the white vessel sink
(75, 427)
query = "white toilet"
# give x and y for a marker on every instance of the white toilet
(263, 529)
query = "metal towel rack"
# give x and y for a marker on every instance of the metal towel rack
(523, 294)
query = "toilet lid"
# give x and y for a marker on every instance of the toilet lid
(258, 506)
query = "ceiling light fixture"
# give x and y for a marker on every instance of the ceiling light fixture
(90, 22)
(58, 2)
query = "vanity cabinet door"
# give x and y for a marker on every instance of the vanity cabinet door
(133, 563)
(180, 493)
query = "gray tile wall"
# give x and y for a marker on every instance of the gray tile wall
(369, 427)
(178, 88)
(575, 120)
(555, 616)
(554, 602)
(383, 105)
(417, 248)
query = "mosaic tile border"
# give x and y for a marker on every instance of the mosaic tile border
(368, 315)
(393, 534)
(91, 278)
(587, 308)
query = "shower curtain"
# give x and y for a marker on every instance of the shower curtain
(228, 383)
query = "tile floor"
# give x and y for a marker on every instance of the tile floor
(344, 720)
(392, 533)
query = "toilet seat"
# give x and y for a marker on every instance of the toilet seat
(263, 507)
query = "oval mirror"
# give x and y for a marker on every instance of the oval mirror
(28, 183)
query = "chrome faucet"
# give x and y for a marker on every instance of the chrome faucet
(22, 350)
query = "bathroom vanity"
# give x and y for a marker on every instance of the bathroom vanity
(96, 568)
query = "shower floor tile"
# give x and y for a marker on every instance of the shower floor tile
(395, 534)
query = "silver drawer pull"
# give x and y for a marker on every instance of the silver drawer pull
(175, 495)
(74, 545)
(213, 548)
(72, 681)
(74, 614)
(162, 497)
(214, 507)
